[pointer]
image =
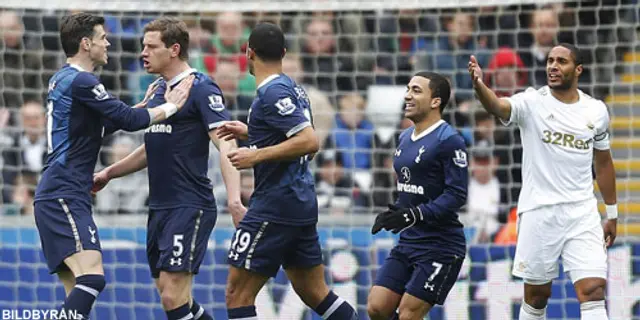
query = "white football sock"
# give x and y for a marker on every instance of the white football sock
(593, 310)
(528, 312)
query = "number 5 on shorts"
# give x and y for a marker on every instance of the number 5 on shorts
(177, 244)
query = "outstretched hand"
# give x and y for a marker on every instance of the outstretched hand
(475, 71)
(233, 130)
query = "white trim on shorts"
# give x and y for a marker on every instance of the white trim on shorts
(247, 262)
(74, 227)
(192, 249)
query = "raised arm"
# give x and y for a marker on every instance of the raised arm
(499, 107)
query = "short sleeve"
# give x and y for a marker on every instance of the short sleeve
(601, 138)
(210, 103)
(519, 106)
(283, 111)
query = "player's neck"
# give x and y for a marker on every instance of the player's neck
(425, 124)
(566, 96)
(85, 63)
(265, 70)
(174, 69)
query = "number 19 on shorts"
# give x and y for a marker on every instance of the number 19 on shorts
(240, 244)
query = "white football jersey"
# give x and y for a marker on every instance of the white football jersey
(557, 146)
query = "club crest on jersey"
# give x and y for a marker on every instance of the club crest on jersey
(420, 152)
(460, 159)
(216, 103)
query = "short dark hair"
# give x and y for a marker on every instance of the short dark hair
(439, 86)
(267, 41)
(172, 31)
(75, 27)
(575, 52)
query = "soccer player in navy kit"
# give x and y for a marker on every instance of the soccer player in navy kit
(182, 209)
(280, 227)
(431, 165)
(80, 112)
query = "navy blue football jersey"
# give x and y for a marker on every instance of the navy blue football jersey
(79, 113)
(178, 148)
(280, 110)
(433, 176)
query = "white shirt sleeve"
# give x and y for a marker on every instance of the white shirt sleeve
(601, 139)
(519, 106)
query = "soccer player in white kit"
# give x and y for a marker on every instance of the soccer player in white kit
(564, 132)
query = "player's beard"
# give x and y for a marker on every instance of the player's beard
(566, 84)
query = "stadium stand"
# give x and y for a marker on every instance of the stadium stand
(354, 59)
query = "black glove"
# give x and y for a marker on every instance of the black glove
(396, 219)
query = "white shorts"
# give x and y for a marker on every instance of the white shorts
(572, 231)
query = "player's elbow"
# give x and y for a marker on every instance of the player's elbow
(313, 144)
(309, 140)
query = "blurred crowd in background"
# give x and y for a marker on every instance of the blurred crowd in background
(341, 58)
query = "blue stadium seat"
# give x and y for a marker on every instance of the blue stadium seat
(124, 274)
(146, 295)
(7, 293)
(124, 293)
(27, 294)
(45, 293)
(9, 255)
(8, 273)
(29, 255)
(125, 256)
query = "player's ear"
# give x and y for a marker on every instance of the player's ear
(250, 54)
(175, 50)
(579, 70)
(435, 103)
(85, 44)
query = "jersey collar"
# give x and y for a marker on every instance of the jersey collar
(77, 67)
(269, 78)
(425, 132)
(180, 76)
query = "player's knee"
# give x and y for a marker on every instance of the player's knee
(172, 299)
(378, 310)
(537, 295)
(592, 289)
(409, 314)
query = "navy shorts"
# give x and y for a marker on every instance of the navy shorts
(177, 239)
(262, 246)
(66, 227)
(416, 273)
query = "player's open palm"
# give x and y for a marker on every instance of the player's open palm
(179, 94)
(233, 130)
(475, 71)
(151, 90)
(100, 180)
